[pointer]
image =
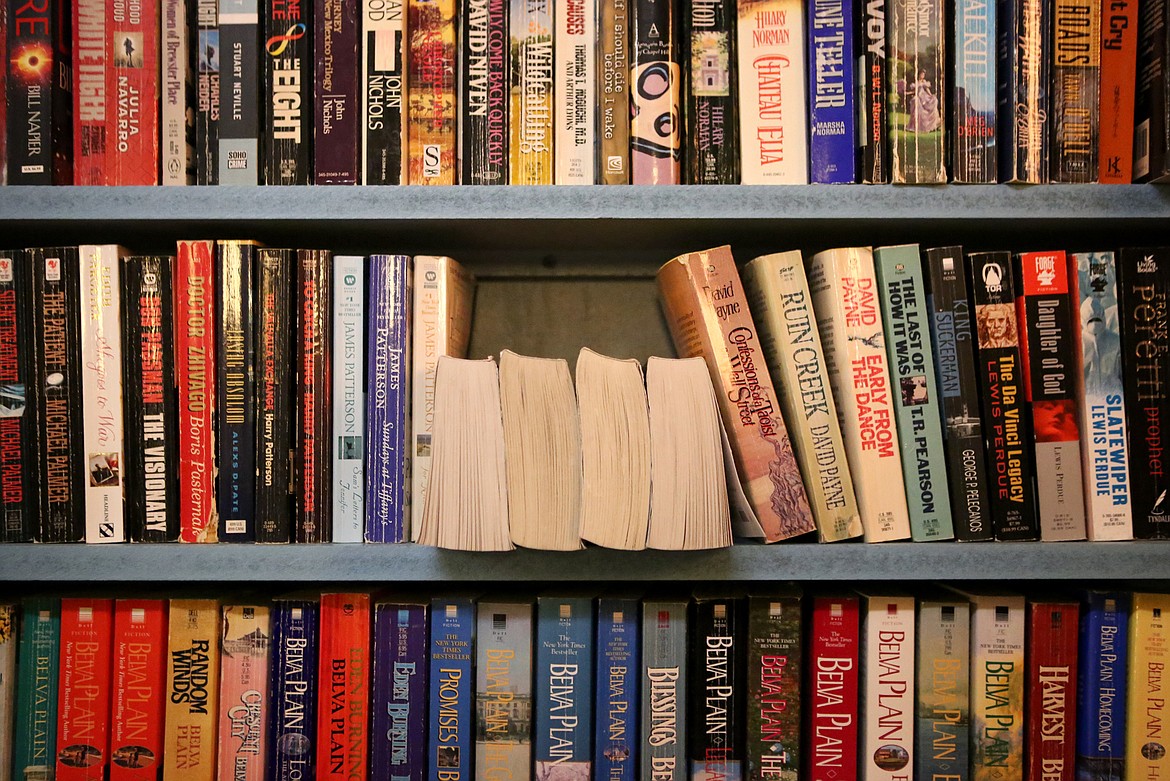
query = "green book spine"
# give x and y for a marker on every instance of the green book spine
(944, 706)
(664, 690)
(774, 644)
(35, 748)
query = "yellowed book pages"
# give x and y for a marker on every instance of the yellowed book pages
(192, 690)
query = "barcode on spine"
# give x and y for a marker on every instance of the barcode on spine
(1141, 149)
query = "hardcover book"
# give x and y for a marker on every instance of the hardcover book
(275, 385)
(431, 116)
(575, 95)
(718, 667)
(92, 136)
(531, 85)
(485, 90)
(39, 92)
(194, 285)
(207, 91)
(18, 426)
(503, 696)
(343, 703)
(1052, 686)
(563, 690)
(664, 682)
(349, 398)
(239, 122)
(874, 133)
(337, 120)
(177, 93)
(616, 742)
(997, 686)
(972, 120)
(916, 83)
(613, 92)
(83, 697)
(383, 74)
(292, 689)
(452, 684)
(1076, 78)
(943, 709)
(655, 76)
(1151, 145)
(398, 730)
(286, 96)
(712, 108)
(133, 120)
(243, 691)
(34, 743)
(138, 700)
(771, 746)
(832, 108)
(1119, 48)
(1102, 665)
(1022, 95)
(887, 687)
(192, 693)
(314, 397)
(833, 673)
(1149, 645)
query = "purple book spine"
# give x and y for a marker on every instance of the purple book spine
(398, 740)
(292, 687)
(336, 119)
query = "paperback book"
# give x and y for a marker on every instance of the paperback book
(531, 96)
(399, 689)
(1050, 706)
(275, 405)
(138, 696)
(34, 743)
(943, 705)
(1102, 696)
(245, 654)
(972, 120)
(874, 133)
(337, 117)
(655, 76)
(1076, 78)
(887, 687)
(503, 699)
(997, 686)
(207, 91)
(485, 90)
(240, 89)
(431, 112)
(83, 697)
(575, 95)
(19, 489)
(192, 700)
(292, 685)
(832, 96)
(712, 109)
(563, 688)
(916, 81)
(613, 91)
(285, 128)
(1024, 47)
(774, 657)
(664, 702)
(343, 697)
(719, 674)
(833, 672)
(1149, 645)
(616, 686)
(177, 92)
(349, 398)
(383, 58)
(452, 689)
(39, 99)
(1119, 50)
(314, 465)
(194, 284)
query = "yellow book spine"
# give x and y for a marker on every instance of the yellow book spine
(192, 690)
(532, 92)
(1146, 725)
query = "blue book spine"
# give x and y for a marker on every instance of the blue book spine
(292, 687)
(452, 687)
(974, 96)
(1104, 653)
(615, 737)
(35, 748)
(832, 113)
(399, 706)
(564, 687)
(388, 399)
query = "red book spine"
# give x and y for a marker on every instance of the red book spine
(194, 285)
(343, 688)
(132, 124)
(83, 695)
(1050, 708)
(833, 703)
(140, 681)
(91, 90)
(1119, 44)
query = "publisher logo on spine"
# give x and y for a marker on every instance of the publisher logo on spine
(431, 156)
(53, 269)
(993, 277)
(5, 269)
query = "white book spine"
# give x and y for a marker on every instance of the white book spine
(9, 637)
(887, 708)
(177, 151)
(349, 398)
(101, 392)
(428, 342)
(773, 117)
(576, 91)
(845, 298)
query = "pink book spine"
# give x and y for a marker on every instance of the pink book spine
(243, 692)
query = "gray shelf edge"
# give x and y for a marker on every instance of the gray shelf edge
(1076, 561)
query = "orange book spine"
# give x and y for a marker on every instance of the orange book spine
(140, 679)
(343, 688)
(1119, 33)
(83, 694)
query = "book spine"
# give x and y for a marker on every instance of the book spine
(194, 285)
(1044, 312)
(997, 686)
(1051, 695)
(93, 85)
(615, 735)
(774, 708)
(484, 92)
(575, 108)
(503, 725)
(1119, 45)
(712, 108)
(133, 124)
(239, 125)
(531, 114)
(1005, 420)
(1100, 395)
(34, 742)
(664, 681)
(1151, 128)
(83, 697)
(655, 135)
(613, 91)
(349, 399)
(887, 699)
(398, 746)
(1102, 671)
(954, 354)
(383, 73)
(243, 692)
(292, 691)
(101, 392)
(715, 709)
(336, 121)
(39, 91)
(9, 639)
(283, 130)
(450, 725)
(1076, 77)
(431, 116)
(943, 676)
(192, 690)
(275, 410)
(844, 294)
(4, 95)
(343, 702)
(139, 683)
(563, 689)
(833, 674)
(916, 409)
(916, 78)
(832, 96)
(1145, 755)
(973, 120)
(207, 91)
(875, 134)
(314, 402)
(1022, 92)
(1142, 281)
(388, 429)
(770, 81)
(177, 94)
(18, 427)
(57, 307)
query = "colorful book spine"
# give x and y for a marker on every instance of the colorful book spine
(207, 91)
(133, 121)
(314, 403)
(916, 408)
(34, 744)
(450, 725)
(240, 90)
(1119, 47)
(664, 681)
(1044, 313)
(916, 79)
(953, 337)
(431, 115)
(655, 132)
(997, 686)
(383, 75)
(531, 107)
(770, 79)
(9, 639)
(92, 86)
(18, 427)
(243, 692)
(1151, 131)
(1022, 93)
(39, 93)
(1050, 706)
(1102, 696)
(284, 129)
(398, 747)
(575, 108)
(833, 672)
(1001, 377)
(832, 109)
(235, 415)
(194, 285)
(1149, 645)
(887, 688)
(773, 677)
(563, 690)
(138, 702)
(503, 698)
(275, 407)
(616, 707)
(485, 92)
(613, 91)
(1100, 395)
(943, 709)
(83, 697)
(712, 108)
(973, 121)
(177, 95)
(192, 690)
(1076, 77)
(716, 711)
(874, 134)
(4, 94)
(844, 290)
(779, 297)
(292, 690)
(349, 398)
(343, 703)
(336, 118)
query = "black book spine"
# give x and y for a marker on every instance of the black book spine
(1006, 430)
(275, 384)
(382, 62)
(286, 126)
(235, 393)
(39, 91)
(57, 313)
(1151, 156)
(711, 92)
(484, 89)
(314, 404)
(954, 352)
(1076, 83)
(873, 134)
(717, 690)
(1023, 105)
(151, 403)
(207, 50)
(18, 450)
(1143, 283)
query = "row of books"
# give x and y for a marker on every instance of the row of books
(873, 686)
(585, 92)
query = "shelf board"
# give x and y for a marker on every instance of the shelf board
(389, 564)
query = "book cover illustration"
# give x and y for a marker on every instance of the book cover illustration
(531, 102)
(916, 89)
(431, 114)
(655, 80)
(832, 109)
(712, 108)
(503, 697)
(973, 121)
